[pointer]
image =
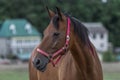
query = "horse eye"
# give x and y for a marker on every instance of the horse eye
(56, 34)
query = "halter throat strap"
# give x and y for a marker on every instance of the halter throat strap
(59, 52)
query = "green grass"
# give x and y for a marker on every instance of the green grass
(111, 76)
(14, 75)
(23, 75)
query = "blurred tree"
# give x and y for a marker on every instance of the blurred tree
(85, 10)
(109, 57)
(32, 10)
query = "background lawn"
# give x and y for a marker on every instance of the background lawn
(111, 76)
(14, 75)
(23, 75)
(20, 72)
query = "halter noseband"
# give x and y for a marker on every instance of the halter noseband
(58, 53)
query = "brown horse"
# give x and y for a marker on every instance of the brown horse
(66, 45)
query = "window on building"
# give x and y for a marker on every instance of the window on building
(28, 28)
(12, 28)
(19, 41)
(27, 41)
(102, 36)
(94, 36)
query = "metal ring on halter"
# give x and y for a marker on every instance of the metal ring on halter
(68, 37)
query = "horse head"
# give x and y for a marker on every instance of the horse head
(56, 40)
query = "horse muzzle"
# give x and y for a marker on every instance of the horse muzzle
(40, 63)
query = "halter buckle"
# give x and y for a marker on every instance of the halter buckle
(68, 37)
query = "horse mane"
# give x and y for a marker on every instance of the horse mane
(79, 28)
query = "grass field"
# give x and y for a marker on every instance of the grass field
(23, 75)
(14, 75)
(20, 72)
(111, 76)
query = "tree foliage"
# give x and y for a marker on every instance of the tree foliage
(85, 10)
(109, 57)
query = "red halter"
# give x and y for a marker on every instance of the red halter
(64, 48)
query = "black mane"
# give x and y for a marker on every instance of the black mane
(79, 28)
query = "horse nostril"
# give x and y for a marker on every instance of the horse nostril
(40, 63)
(37, 62)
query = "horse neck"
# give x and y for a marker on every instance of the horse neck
(86, 60)
(81, 54)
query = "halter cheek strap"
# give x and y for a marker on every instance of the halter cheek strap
(58, 53)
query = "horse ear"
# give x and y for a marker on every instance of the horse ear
(59, 13)
(50, 13)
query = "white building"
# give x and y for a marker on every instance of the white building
(98, 36)
(18, 37)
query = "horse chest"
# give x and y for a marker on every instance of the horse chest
(67, 69)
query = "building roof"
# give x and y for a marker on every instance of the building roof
(96, 27)
(17, 27)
